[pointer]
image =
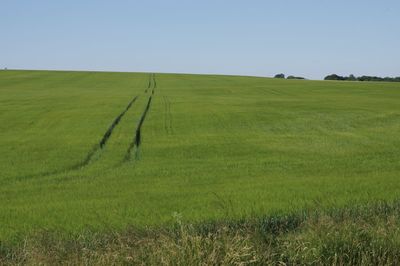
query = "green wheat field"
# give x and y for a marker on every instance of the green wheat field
(104, 152)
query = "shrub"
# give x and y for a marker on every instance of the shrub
(279, 76)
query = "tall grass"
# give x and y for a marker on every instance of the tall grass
(358, 235)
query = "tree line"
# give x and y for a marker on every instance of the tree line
(361, 78)
(346, 78)
(282, 76)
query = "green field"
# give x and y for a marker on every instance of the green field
(211, 147)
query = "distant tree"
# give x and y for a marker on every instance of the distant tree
(370, 78)
(362, 78)
(352, 78)
(294, 77)
(280, 76)
(334, 77)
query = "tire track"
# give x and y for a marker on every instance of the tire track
(149, 84)
(97, 147)
(166, 128)
(137, 140)
(154, 83)
(167, 116)
(108, 133)
(103, 141)
(170, 116)
(135, 144)
(105, 138)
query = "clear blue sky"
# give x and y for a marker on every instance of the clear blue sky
(310, 38)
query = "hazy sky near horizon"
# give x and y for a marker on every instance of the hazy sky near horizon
(310, 38)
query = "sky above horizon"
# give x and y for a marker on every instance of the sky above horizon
(310, 38)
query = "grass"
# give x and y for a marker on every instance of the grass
(212, 148)
(365, 234)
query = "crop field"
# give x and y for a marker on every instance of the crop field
(105, 150)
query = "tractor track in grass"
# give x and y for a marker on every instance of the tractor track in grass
(152, 84)
(137, 139)
(135, 144)
(106, 136)
(116, 121)
(95, 149)
(148, 84)
(167, 115)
